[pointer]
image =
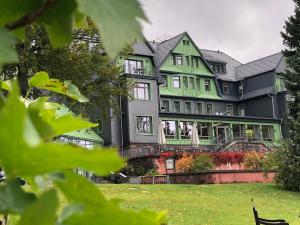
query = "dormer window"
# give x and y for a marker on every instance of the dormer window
(186, 42)
(226, 88)
(218, 67)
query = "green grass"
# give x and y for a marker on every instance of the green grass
(228, 204)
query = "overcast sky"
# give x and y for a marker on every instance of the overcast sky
(245, 29)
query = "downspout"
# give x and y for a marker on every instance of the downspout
(271, 96)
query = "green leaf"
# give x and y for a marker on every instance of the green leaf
(20, 157)
(69, 211)
(59, 22)
(60, 33)
(99, 210)
(13, 199)
(7, 52)
(41, 80)
(44, 116)
(11, 10)
(116, 21)
(6, 85)
(42, 211)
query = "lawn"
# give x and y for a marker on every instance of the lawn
(228, 204)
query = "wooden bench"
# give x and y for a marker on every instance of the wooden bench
(261, 221)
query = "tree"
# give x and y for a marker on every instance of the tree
(83, 61)
(289, 168)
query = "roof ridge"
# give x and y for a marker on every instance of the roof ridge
(222, 53)
(258, 59)
(172, 37)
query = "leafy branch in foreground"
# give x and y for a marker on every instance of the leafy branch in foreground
(117, 21)
(28, 152)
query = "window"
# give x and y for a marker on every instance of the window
(199, 108)
(187, 60)
(209, 109)
(195, 62)
(165, 78)
(204, 130)
(179, 60)
(198, 83)
(192, 82)
(185, 83)
(229, 110)
(141, 91)
(187, 42)
(226, 88)
(173, 59)
(134, 67)
(166, 106)
(176, 81)
(184, 42)
(241, 110)
(267, 133)
(177, 106)
(170, 165)
(218, 68)
(170, 129)
(144, 124)
(188, 107)
(186, 129)
(241, 89)
(207, 85)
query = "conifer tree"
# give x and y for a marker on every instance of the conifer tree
(289, 168)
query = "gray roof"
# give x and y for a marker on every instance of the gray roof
(143, 48)
(235, 70)
(221, 57)
(259, 66)
(163, 49)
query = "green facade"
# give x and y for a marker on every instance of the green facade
(147, 63)
(191, 90)
(280, 83)
(189, 51)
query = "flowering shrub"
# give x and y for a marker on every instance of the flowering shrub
(228, 157)
(185, 163)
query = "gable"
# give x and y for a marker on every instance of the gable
(186, 47)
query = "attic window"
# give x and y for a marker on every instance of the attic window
(218, 67)
(186, 42)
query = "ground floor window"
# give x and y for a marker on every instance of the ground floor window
(170, 129)
(238, 130)
(144, 124)
(204, 130)
(253, 132)
(170, 164)
(268, 133)
(186, 129)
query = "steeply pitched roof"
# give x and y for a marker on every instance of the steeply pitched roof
(143, 48)
(221, 57)
(163, 48)
(83, 134)
(259, 66)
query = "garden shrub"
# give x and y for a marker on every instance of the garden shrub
(202, 162)
(228, 157)
(253, 160)
(185, 163)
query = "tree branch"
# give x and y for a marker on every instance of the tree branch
(30, 18)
